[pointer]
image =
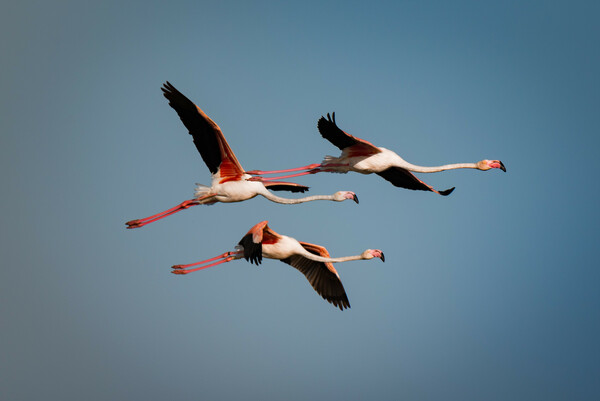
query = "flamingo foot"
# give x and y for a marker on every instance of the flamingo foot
(133, 224)
(142, 222)
(185, 269)
(180, 272)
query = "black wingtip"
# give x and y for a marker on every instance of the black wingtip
(167, 89)
(342, 303)
(446, 192)
(330, 117)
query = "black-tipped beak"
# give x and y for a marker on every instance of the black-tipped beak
(355, 198)
(382, 257)
(502, 167)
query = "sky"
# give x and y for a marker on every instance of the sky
(490, 293)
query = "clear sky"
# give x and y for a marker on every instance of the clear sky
(491, 293)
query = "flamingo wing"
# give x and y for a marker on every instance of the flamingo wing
(284, 186)
(253, 240)
(403, 178)
(330, 131)
(322, 276)
(208, 138)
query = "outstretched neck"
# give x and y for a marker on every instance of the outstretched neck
(435, 169)
(272, 197)
(318, 258)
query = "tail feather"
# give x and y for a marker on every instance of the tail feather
(201, 190)
(332, 160)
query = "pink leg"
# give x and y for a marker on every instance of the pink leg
(309, 167)
(324, 166)
(224, 255)
(184, 269)
(313, 171)
(142, 222)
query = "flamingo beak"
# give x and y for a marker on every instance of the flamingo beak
(355, 198)
(382, 257)
(496, 164)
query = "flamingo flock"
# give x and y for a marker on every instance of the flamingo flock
(231, 183)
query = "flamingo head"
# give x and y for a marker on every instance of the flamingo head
(373, 253)
(490, 164)
(343, 195)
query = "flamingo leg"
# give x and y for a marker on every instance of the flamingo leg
(313, 171)
(223, 255)
(226, 257)
(325, 166)
(182, 206)
(259, 172)
(147, 220)
(162, 216)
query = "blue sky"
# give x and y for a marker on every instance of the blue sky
(489, 293)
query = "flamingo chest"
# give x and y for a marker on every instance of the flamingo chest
(236, 191)
(282, 249)
(373, 163)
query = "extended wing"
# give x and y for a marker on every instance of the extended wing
(330, 131)
(208, 138)
(322, 276)
(403, 178)
(285, 186)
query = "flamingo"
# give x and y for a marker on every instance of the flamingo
(230, 183)
(311, 260)
(365, 158)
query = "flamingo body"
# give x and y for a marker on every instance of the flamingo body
(363, 157)
(230, 183)
(363, 162)
(229, 190)
(311, 260)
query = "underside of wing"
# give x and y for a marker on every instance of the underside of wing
(403, 178)
(252, 242)
(322, 276)
(330, 131)
(208, 138)
(284, 186)
(252, 250)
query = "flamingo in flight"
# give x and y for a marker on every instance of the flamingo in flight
(230, 183)
(311, 260)
(365, 158)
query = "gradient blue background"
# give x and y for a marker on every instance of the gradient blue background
(491, 293)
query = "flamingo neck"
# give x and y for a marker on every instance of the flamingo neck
(318, 258)
(272, 197)
(435, 169)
